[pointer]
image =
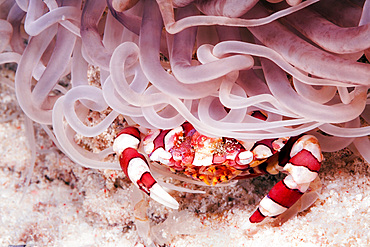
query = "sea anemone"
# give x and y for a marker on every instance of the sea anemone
(304, 64)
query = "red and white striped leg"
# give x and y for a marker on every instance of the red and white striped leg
(136, 168)
(303, 168)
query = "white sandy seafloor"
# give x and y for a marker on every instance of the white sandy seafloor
(68, 205)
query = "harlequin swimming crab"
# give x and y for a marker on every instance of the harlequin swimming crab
(219, 160)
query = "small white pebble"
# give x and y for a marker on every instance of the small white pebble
(358, 197)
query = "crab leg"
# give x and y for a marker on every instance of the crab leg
(302, 168)
(136, 168)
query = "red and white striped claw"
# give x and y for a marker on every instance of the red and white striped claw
(136, 168)
(303, 168)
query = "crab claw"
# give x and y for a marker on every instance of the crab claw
(136, 168)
